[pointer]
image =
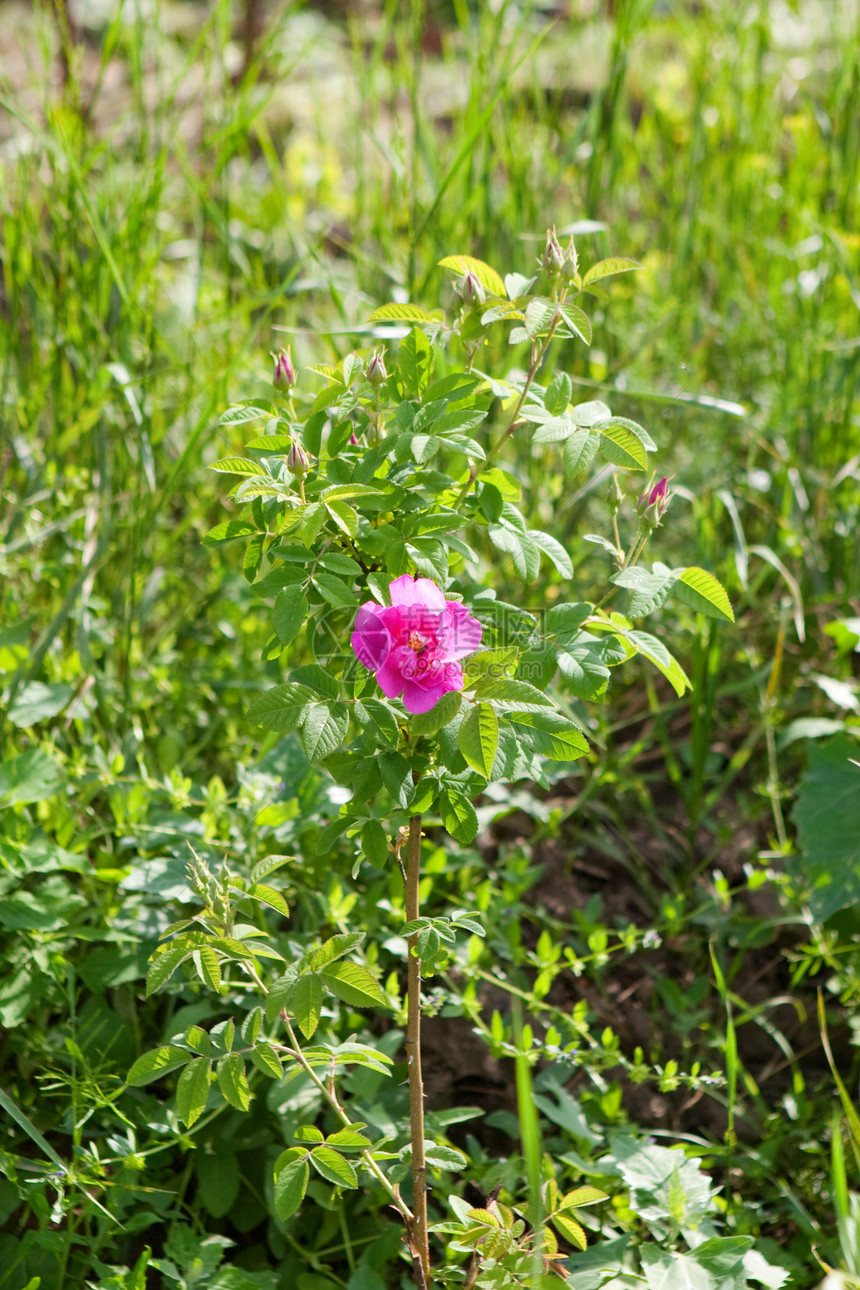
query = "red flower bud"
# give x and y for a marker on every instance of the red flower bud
(654, 502)
(472, 291)
(298, 461)
(284, 377)
(376, 372)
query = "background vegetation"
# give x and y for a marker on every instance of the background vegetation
(171, 195)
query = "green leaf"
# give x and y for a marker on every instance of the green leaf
(579, 452)
(650, 591)
(539, 314)
(352, 983)
(334, 948)
(606, 268)
(312, 520)
(827, 816)
(197, 1038)
(154, 1064)
(458, 816)
(266, 1059)
(563, 621)
(525, 555)
(463, 264)
(674, 1271)
(290, 1186)
(655, 651)
(582, 1196)
(233, 1082)
(374, 843)
(291, 610)
(442, 1157)
(253, 556)
(164, 963)
(395, 312)
(239, 415)
(334, 590)
(228, 532)
(307, 1003)
(556, 430)
(192, 1090)
(364, 492)
(622, 447)
(554, 550)
(279, 443)
(208, 967)
(578, 321)
(332, 832)
(558, 394)
(553, 735)
(334, 1167)
(514, 695)
(348, 1139)
(238, 466)
(268, 896)
(217, 1173)
(30, 777)
(37, 702)
(308, 1133)
(281, 708)
(319, 680)
(344, 516)
(376, 713)
(478, 738)
(569, 1229)
(322, 730)
(702, 592)
(415, 363)
(591, 413)
(428, 723)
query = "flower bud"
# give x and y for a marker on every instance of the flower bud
(472, 291)
(376, 372)
(284, 377)
(298, 461)
(653, 503)
(570, 264)
(553, 256)
(615, 497)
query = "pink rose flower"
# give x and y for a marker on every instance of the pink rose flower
(414, 644)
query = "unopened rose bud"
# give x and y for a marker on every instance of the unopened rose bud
(553, 256)
(353, 439)
(615, 497)
(284, 377)
(654, 503)
(298, 461)
(570, 264)
(376, 372)
(472, 291)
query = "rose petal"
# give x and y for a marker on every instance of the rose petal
(418, 697)
(398, 668)
(407, 590)
(461, 633)
(371, 639)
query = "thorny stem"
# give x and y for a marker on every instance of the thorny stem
(538, 355)
(421, 1248)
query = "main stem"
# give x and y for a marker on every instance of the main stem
(420, 1243)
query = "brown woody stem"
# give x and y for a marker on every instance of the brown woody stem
(421, 1248)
